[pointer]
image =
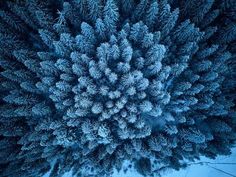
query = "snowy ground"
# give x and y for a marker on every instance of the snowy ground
(206, 171)
(194, 170)
(199, 170)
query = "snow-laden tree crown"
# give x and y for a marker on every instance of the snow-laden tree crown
(88, 84)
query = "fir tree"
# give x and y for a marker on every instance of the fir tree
(88, 84)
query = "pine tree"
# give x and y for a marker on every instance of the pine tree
(90, 84)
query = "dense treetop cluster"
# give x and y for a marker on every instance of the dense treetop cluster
(88, 84)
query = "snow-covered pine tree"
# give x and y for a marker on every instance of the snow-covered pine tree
(88, 84)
